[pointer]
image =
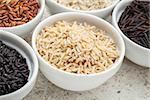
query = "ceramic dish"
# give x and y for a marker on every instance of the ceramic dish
(24, 29)
(58, 8)
(134, 52)
(25, 49)
(78, 82)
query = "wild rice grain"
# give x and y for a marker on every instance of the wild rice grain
(135, 22)
(14, 70)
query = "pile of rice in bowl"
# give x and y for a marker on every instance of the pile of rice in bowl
(77, 47)
(85, 5)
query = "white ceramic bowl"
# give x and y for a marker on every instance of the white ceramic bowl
(134, 52)
(25, 29)
(25, 49)
(58, 8)
(78, 82)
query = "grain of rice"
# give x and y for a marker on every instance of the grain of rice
(77, 47)
(6, 1)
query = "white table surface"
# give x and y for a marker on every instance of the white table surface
(132, 82)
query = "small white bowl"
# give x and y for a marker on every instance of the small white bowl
(25, 49)
(25, 29)
(58, 8)
(134, 52)
(71, 81)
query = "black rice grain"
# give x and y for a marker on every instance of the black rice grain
(135, 22)
(14, 71)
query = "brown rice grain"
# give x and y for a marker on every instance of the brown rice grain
(77, 47)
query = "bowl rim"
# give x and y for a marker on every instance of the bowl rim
(122, 46)
(88, 11)
(41, 9)
(115, 23)
(35, 62)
